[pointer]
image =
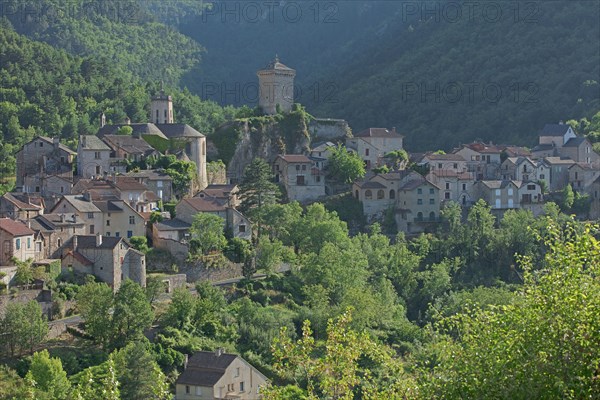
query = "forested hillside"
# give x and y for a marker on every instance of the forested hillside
(128, 33)
(535, 65)
(441, 72)
(46, 91)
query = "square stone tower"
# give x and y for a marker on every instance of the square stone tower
(276, 87)
(161, 108)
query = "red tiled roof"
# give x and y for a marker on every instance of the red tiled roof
(127, 183)
(206, 204)
(295, 158)
(484, 148)
(15, 228)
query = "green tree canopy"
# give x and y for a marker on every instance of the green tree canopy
(207, 233)
(345, 166)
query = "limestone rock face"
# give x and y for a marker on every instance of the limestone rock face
(263, 137)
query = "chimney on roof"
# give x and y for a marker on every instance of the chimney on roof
(74, 218)
(102, 120)
(87, 196)
(394, 129)
(98, 240)
(561, 122)
(219, 352)
(56, 142)
(62, 217)
(185, 362)
(74, 242)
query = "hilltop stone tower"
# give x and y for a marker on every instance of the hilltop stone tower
(161, 108)
(276, 87)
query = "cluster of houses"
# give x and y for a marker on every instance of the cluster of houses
(81, 207)
(506, 177)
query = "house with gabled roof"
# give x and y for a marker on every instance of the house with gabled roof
(483, 160)
(559, 172)
(454, 186)
(228, 193)
(55, 230)
(218, 375)
(582, 175)
(373, 144)
(129, 147)
(322, 152)
(414, 199)
(235, 221)
(128, 189)
(418, 205)
(444, 162)
(302, 180)
(17, 240)
(40, 157)
(110, 259)
(519, 168)
(109, 217)
(21, 206)
(158, 181)
(508, 194)
(93, 157)
(556, 134)
(579, 149)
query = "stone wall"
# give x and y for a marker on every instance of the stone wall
(322, 129)
(177, 249)
(199, 272)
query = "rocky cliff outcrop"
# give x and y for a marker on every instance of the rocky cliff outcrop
(241, 141)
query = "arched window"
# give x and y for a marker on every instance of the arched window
(432, 216)
(380, 194)
(419, 216)
(368, 194)
(392, 194)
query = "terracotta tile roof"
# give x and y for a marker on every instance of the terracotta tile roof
(206, 204)
(294, 158)
(15, 228)
(516, 151)
(218, 191)
(484, 148)
(128, 183)
(20, 201)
